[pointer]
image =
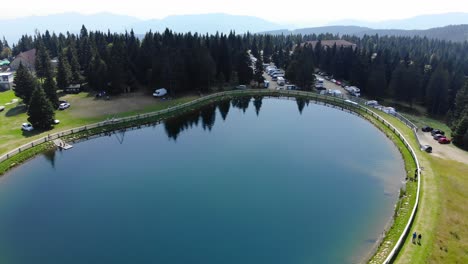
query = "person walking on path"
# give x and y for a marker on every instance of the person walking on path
(414, 237)
(419, 238)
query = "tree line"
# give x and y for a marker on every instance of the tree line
(429, 73)
(415, 70)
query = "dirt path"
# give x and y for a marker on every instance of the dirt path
(448, 151)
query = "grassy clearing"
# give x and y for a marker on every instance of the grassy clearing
(14, 115)
(421, 121)
(451, 232)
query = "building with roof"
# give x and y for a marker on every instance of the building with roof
(27, 58)
(6, 81)
(330, 43)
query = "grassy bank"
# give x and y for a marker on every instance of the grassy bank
(404, 206)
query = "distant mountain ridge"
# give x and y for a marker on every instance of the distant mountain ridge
(13, 29)
(456, 33)
(412, 23)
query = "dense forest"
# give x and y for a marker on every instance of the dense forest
(410, 70)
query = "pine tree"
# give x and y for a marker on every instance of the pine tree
(98, 74)
(75, 68)
(50, 89)
(437, 92)
(377, 82)
(460, 131)
(461, 104)
(41, 113)
(64, 74)
(258, 73)
(24, 84)
(244, 68)
(42, 65)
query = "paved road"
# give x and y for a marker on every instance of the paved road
(332, 86)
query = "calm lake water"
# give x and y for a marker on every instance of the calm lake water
(243, 181)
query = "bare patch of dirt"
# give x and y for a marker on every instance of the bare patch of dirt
(90, 107)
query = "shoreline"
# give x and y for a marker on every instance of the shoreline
(159, 116)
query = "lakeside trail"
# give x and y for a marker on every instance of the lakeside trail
(426, 217)
(441, 216)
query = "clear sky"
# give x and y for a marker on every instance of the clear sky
(287, 11)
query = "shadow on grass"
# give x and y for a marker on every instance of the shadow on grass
(20, 109)
(35, 132)
(28, 134)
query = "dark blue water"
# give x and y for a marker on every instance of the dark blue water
(277, 187)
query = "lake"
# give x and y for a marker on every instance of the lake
(250, 180)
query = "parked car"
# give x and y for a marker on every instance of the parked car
(64, 106)
(427, 129)
(444, 140)
(437, 131)
(56, 121)
(2, 108)
(372, 103)
(241, 87)
(426, 148)
(338, 83)
(438, 136)
(27, 127)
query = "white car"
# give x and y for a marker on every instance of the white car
(27, 127)
(64, 106)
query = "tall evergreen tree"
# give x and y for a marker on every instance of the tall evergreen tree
(25, 84)
(75, 67)
(437, 92)
(461, 104)
(377, 82)
(64, 75)
(50, 89)
(244, 68)
(41, 113)
(460, 132)
(42, 65)
(258, 73)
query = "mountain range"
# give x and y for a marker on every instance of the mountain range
(456, 33)
(12, 29)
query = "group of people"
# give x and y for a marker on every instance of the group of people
(418, 236)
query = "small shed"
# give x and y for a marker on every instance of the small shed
(6, 80)
(73, 89)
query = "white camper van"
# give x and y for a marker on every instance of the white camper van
(160, 92)
(280, 81)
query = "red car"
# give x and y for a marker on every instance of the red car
(444, 140)
(338, 83)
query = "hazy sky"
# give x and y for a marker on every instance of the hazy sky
(288, 11)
